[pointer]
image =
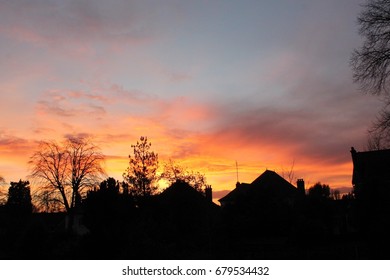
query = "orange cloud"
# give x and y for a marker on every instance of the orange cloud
(119, 71)
(204, 137)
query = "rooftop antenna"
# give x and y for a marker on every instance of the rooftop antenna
(237, 171)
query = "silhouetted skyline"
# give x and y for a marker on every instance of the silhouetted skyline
(210, 83)
(266, 219)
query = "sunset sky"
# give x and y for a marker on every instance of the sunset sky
(263, 83)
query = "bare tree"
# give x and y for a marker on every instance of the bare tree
(335, 194)
(85, 166)
(370, 63)
(290, 174)
(379, 133)
(50, 166)
(66, 170)
(174, 171)
(141, 174)
(47, 199)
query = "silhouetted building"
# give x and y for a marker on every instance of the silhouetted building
(268, 185)
(371, 184)
(371, 168)
(184, 219)
(180, 195)
(266, 208)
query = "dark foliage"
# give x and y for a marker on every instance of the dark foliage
(181, 223)
(19, 198)
(141, 174)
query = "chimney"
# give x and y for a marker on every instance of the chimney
(301, 186)
(209, 193)
(353, 154)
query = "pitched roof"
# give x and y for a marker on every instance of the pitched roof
(183, 194)
(269, 183)
(240, 191)
(370, 166)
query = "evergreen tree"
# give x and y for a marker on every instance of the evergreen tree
(141, 174)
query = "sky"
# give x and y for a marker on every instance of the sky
(266, 84)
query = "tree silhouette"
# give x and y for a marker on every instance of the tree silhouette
(19, 197)
(335, 194)
(319, 191)
(85, 166)
(103, 206)
(175, 172)
(47, 200)
(379, 133)
(3, 196)
(68, 169)
(371, 62)
(289, 175)
(141, 173)
(371, 65)
(109, 185)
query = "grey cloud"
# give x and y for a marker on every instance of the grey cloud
(65, 23)
(55, 109)
(64, 104)
(320, 128)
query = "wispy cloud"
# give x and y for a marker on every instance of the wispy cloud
(77, 26)
(70, 104)
(208, 83)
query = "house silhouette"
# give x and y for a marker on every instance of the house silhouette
(184, 219)
(371, 168)
(371, 183)
(269, 185)
(371, 187)
(265, 207)
(182, 205)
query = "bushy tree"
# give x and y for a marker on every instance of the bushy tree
(175, 172)
(109, 185)
(319, 191)
(19, 197)
(141, 175)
